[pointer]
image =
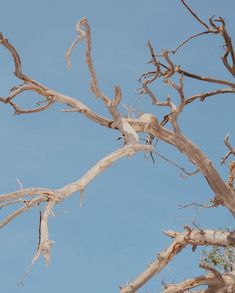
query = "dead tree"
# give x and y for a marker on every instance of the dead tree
(166, 129)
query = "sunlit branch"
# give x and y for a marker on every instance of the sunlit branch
(87, 36)
(181, 240)
(27, 205)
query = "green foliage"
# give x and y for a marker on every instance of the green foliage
(220, 258)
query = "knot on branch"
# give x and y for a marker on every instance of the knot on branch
(148, 119)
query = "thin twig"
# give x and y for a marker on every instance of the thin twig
(190, 38)
(195, 15)
(197, 205)
(203, 96)
(17, 62)
(229, 146)
(229, 51)
(204, 78)
(87, 36)
(176, 165)
(26, 207)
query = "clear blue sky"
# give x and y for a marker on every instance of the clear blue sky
(118, 231)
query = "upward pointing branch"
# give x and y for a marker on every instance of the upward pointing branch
(86, 34)
(195, 15)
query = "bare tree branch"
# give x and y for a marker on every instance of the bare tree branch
(205, 78)
(190, 38)
(147, 123)
(87, 36)
(195, 15)
(27, 205)
(17, 62)
(229, 146)
(99, 167)
(229, 51)
(55, 196)
(176, 165)
(189, 237)
(189, 284)
(211, 205)
(44, 246)
(203, 96)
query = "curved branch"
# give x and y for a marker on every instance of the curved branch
(18, 71)
(87, 36)
(204, 78)
(26, 207)
(192, 37)
(189, 237)
(223, 194)
(55, 196)
(99, 167)
(189, 284)
(229, 146)
(203, 96)
(195, 15)
(19, 110)
(216, 282)
(229, 51)
(24, 192)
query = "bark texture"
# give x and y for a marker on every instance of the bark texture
(166, 129)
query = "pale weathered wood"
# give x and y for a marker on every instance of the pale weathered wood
(129, 129)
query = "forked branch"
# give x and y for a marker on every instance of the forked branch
(86, 34)
(181, 240)
(231, 149)
(166, 70)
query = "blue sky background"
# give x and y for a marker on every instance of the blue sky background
(117, 232)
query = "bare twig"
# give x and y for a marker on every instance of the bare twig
(195, 15)
(190, 38)
(175, 111)
(229, 146)
(229, 51)
(87, 36)
(70, 49)
(17, 62)
(20, 183)
(19, 110)
(205, 78)
(154, 60)
(203, 96)
(211, 205)
(26, 207)
(176, 165)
